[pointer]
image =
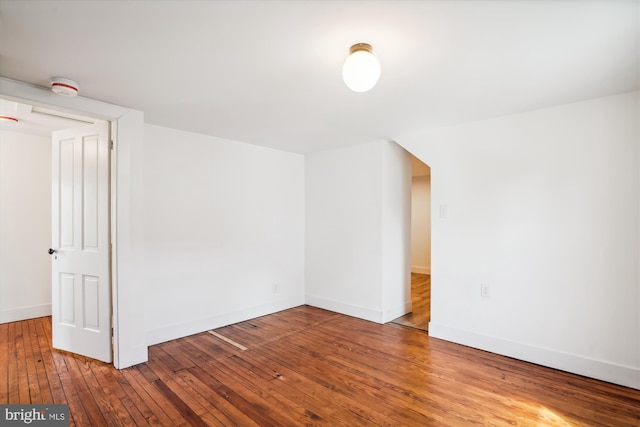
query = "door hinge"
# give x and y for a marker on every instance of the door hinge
(111, 144)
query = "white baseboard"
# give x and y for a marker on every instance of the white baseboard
(614, 373)
(363, 313)
(421, 270)
(24, 313)
(348, 309)
(184, 329)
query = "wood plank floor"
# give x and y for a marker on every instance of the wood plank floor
(420, 303)
(305, 366)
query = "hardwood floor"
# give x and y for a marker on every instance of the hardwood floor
(420, 303)
(305, 366)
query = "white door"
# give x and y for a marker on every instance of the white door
(81, 300)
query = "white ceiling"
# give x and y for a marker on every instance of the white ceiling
(269, 72)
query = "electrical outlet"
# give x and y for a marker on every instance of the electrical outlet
(485, 291)
(276, 288)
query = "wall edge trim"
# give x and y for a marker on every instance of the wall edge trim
(627, 376)
(363, 313)
(180, 330)
(25, 313)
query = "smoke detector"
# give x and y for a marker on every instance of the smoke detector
(8, 120)
(64, 87)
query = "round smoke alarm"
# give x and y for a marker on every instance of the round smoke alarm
(64, 87)
(8, 120)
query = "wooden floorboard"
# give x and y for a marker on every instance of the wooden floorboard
(4, 363)
(305, 366)
(420, 314)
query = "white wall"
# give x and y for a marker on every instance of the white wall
(543, 207)
(396, 231)
(421, 224)
(224, 224)
(357, 238)
(128, 279)
(25, 226)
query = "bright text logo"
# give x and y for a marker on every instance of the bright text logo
(37, 415)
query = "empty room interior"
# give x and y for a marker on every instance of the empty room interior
(321, 212)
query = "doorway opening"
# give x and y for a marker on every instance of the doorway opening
(420, 314)
(127, 130)
(28, 283)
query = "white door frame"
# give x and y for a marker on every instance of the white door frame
(129, 345)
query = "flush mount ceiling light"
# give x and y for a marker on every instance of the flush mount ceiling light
(361, 70)
(64, 87)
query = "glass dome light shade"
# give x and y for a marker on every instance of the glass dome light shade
(361, 70)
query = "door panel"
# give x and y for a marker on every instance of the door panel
(67, 312)
(90, 194)
(81, 303)
(66, 186)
